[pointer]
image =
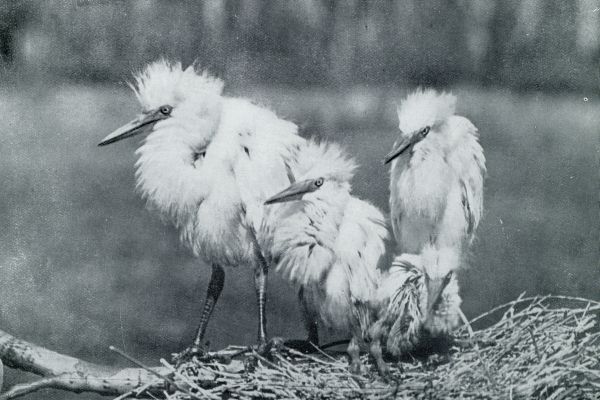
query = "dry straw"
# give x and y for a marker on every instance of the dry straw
(534, 348)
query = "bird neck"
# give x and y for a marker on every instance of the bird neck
(165, 171)
(420, 183)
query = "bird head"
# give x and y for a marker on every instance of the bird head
(422, 116)
(434, 269)
(438, 266)
(170, 95)
(321, 170)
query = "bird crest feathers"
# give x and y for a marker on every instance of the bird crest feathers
(165, 82)
(324, 159)
(425, 107)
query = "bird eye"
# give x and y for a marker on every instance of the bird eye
(166, 110)
(319, 182)
(448, 277)
(425, 131)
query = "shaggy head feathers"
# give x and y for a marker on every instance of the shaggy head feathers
(326, 160)
(163, 82)
(425, 108)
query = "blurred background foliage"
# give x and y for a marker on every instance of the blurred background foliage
(534, 44)
(84, 265)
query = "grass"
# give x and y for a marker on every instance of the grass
(84, 265)
(538, 348)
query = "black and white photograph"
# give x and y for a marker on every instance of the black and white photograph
(304, 199)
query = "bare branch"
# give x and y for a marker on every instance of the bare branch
(59, 371)
(66, 372)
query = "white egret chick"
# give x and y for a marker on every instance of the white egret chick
(328, 243)
(436, 183)
(408, 308)
(206, 160)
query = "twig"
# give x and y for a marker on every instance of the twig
(535, 346)
(143, 366)
(186, 380)
(465, 321)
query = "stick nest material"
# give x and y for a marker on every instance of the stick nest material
(539, 348)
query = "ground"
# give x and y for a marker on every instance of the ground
(85, 265)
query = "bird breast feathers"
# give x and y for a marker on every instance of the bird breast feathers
(421, 187)
(303, 246)
(360, 245)
(421, 184)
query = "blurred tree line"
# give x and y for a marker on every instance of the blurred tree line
(533, 44)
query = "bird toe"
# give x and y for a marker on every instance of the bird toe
(267, 347)
(188, 354)
(356, 368)
(303, 346)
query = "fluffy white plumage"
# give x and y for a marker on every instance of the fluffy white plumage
(164, 82)
(207, 164)
(403, 300)
(436, 185)
(328, 242)
(241, 150)
(424, 108)
(436, 202)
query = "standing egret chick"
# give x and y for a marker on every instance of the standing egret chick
(410, 306)
(436, 183)
(195, 167)
(327, 243)
(437, 172)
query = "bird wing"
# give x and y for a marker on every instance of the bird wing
(360, 246)
(469, 163)
(265, 146)
(302, 241)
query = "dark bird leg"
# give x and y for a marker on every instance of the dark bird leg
(310, 323)
(215, 286)
(310, 320)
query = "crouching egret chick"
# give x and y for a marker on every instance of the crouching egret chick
(436, 183)
(195, 167)
(327, 243)
(411, 308)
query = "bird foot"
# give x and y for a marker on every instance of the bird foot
(193, 352)
(266, 347)
(470, 342)
(356, 367)
(383, 368)
(303, 346)
(435, 360)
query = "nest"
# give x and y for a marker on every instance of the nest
(538, 348)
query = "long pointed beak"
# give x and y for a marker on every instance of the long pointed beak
(139, 125)
(435, 289)
(293, 192)
(398, 149)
